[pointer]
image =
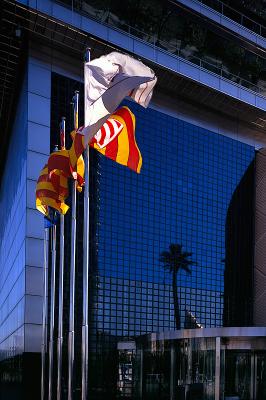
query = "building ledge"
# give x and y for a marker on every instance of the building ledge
(141, 48)
(226, 22)
(208, 333)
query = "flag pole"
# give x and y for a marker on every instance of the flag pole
(52, 310)
(86, 264)
(71, 333)
(61, 280)
(44, 309)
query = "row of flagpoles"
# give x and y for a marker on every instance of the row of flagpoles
(86, 265)
(107, 81)
(71, 332)
(61, 279)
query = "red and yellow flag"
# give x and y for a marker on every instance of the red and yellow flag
(115, 140)
(76, 161)
(52, 185)
(51, 192)
(67, 164)
(123, 148)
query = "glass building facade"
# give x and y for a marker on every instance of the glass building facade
(12, 258)
(190, 182)
(198, 365)
(182, 196)
(16, 296)
(173, 28)
(196, 191)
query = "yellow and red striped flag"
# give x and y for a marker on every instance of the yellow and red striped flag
(110, 129)
(76, 161)
(51, 192)
(65, 162)
(116, 140)
(122, 147)
(59, 160)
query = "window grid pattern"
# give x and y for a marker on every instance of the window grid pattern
(181, 196)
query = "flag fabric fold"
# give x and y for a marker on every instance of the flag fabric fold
(108, 80)
(61, 163)
(51, 194)
(115, 140)
(123, 148)
(52, 185)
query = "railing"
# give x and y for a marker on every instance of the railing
(235, 15)
(105, 17)
(217, 5)
(215, 68)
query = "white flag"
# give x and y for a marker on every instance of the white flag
(108, 80)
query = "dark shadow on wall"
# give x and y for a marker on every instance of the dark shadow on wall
(239, 244)
(20, 377)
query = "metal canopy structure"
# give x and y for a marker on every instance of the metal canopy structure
(20, 24)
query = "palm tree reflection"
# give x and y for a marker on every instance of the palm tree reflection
(174, 260)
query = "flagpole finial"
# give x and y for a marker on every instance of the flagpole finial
(62, 127)
(87, 54)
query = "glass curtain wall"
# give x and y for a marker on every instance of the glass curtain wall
(185, 369)
(250, 14)
(181, 197)
(166, 25)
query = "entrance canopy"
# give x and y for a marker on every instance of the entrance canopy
(199, 364)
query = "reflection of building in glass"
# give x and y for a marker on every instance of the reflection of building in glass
(137, 218)
(172, 28)
(201, 363)
(201, 187)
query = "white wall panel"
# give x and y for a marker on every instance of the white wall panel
(39, 109)
(39, 138)
(34, 281)
(33, 335)
(34, 252)
(35, 224)
(33, 309)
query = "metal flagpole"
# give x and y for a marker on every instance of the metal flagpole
(61, 281)
(85, 334)
(71, 333)
(44, 308)
(52, 309)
